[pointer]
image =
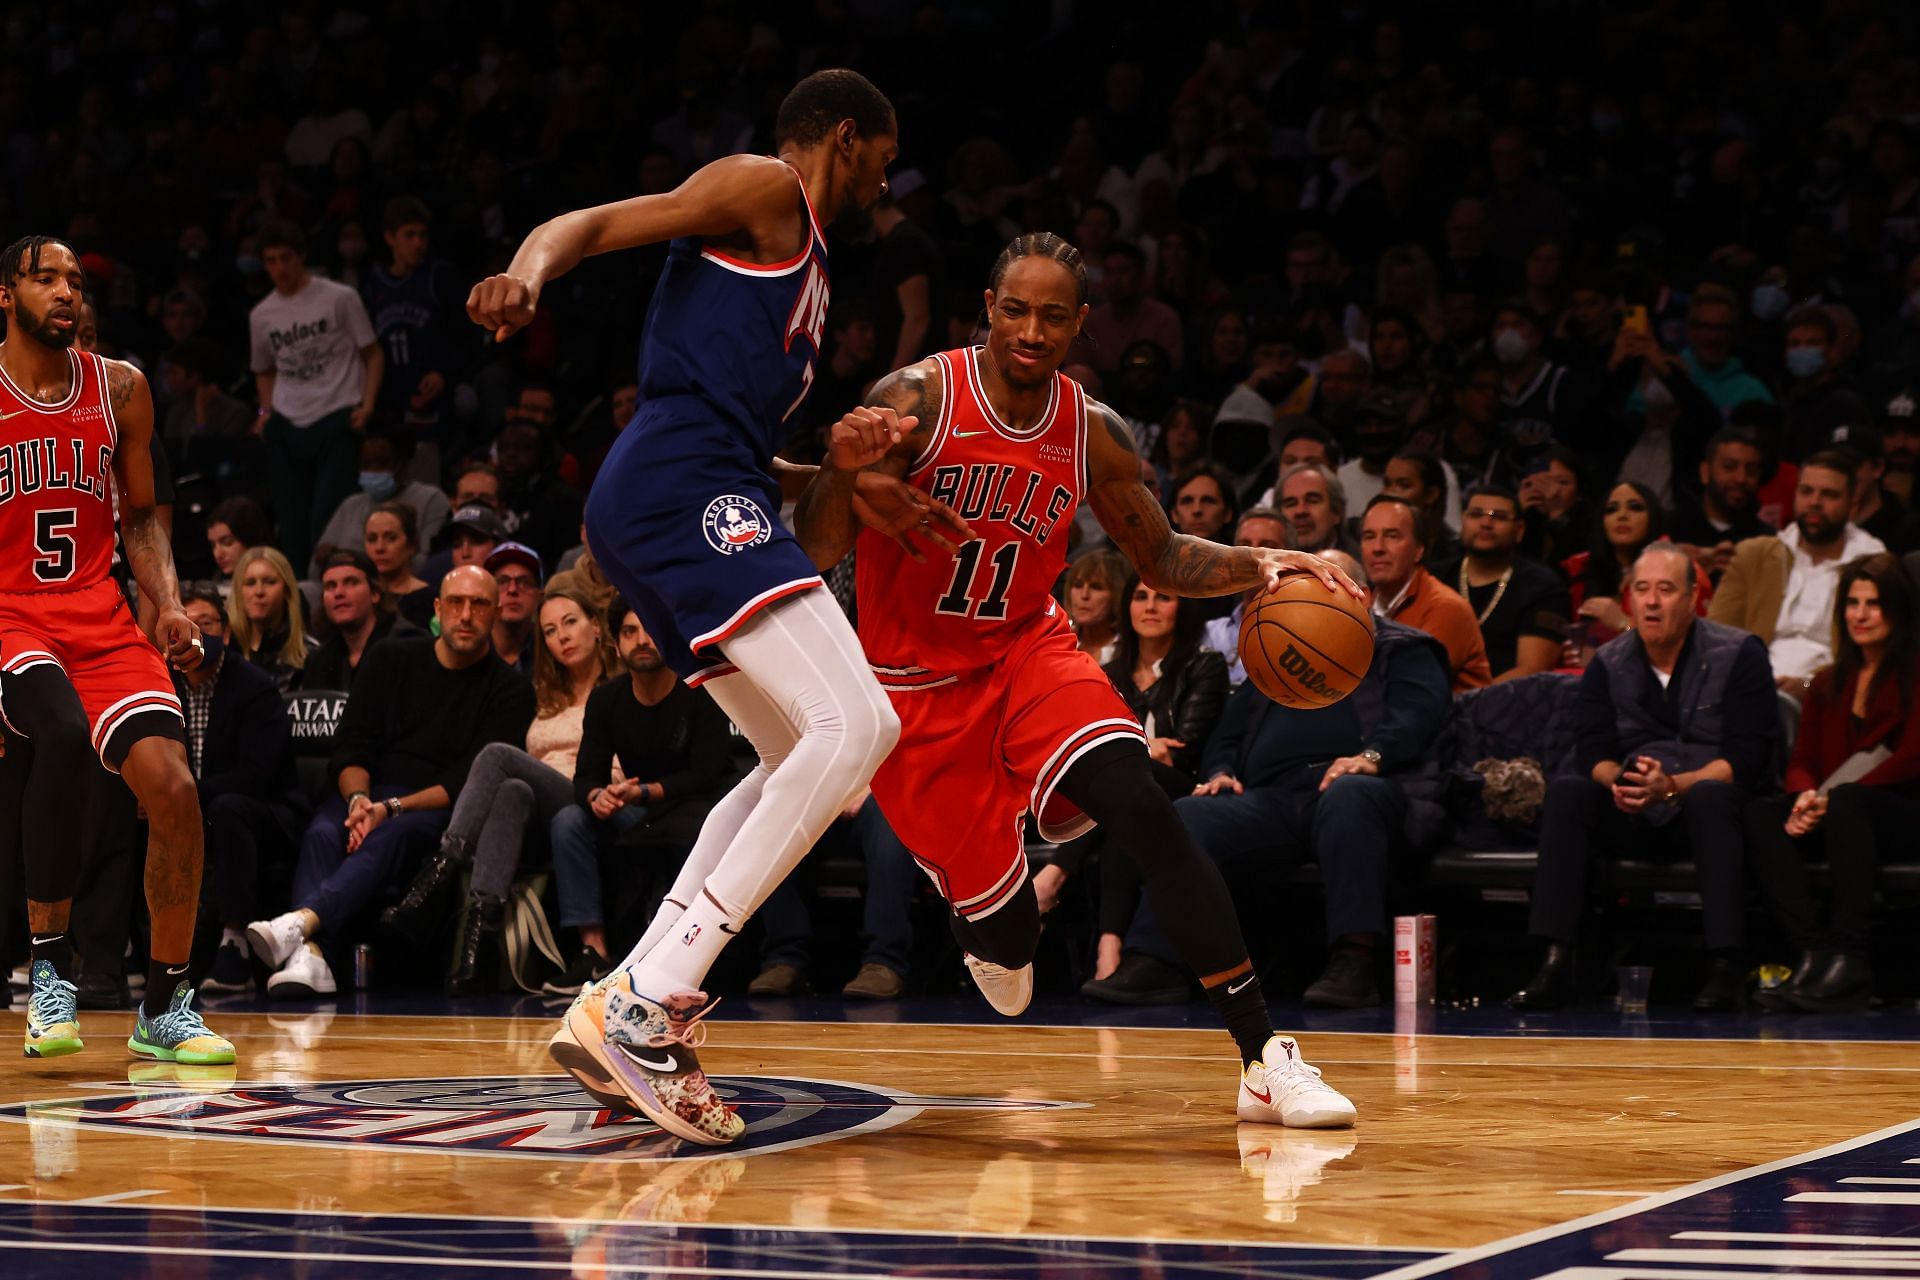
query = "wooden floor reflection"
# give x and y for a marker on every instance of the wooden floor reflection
(1461, 1140)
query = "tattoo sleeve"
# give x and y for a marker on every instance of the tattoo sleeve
(1176, 563)
(149, 549)
(824, 520)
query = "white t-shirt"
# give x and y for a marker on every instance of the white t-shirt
(311, 342)
(1803, 634)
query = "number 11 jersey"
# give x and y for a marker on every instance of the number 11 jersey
(921, 623)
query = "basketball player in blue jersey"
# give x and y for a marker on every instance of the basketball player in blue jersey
(684, 518)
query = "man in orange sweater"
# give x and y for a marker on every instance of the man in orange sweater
(1393, 543)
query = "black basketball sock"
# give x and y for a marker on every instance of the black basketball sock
(1243, 1007)
(162, 979)
(57, 950)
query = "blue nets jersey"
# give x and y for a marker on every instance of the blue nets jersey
(737, 335)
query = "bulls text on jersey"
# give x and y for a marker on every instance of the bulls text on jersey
(1002, 493)
(49, 463)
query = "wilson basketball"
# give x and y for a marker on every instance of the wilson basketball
(1305, 646)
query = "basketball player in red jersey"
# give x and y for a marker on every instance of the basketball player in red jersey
(1001, 714)
(77, 676)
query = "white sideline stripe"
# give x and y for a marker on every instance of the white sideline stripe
(114, 1197)
(1838, 1258)
(1856, 1197)
(1787, 1237)
(1449, 1261)
(1614, 1194)
(439, 1261)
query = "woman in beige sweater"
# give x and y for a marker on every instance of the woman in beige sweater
(510, 791)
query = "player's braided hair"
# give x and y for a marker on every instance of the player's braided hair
(1040, 244)
(28, 247)
(813, 107)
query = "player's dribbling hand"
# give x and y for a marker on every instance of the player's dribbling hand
(865, 435)
(895, 508)
(1282, 564)
(180, 638)
(503, 304)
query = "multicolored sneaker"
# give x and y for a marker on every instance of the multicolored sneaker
(178, 1035)
(53, 1014)
(650, 1049)
(580, 1046)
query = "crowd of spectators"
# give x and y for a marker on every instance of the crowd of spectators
(1590, 332)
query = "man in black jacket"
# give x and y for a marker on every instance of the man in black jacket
(241, 753)
(350, 595)
(421, 711)
(671, 742)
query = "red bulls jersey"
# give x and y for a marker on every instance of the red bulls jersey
(1019, 490)
(56, 484)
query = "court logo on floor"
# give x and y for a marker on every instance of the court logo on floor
(544, 1117)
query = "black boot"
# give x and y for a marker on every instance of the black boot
(437, 877)
(1348, 982)
(1780, 999)
(476, 962)
(1140, 979)
(1551, 982)
(1725, 990)
(1844, 985)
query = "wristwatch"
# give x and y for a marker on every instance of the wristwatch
(1371, 756)
(395, 807)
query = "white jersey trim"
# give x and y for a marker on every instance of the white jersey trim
(978, 386)
(78, 377)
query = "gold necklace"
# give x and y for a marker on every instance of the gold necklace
(1499, 590)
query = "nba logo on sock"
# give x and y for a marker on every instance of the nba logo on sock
(686, 939)
(733, 523)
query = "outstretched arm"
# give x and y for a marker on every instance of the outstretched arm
(851, 490)
(149, 553)
(747, 196)
(1177, 563)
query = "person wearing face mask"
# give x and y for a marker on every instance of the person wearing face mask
(1817, 395)
(1540, 402)
(240, 748)
(379, 482)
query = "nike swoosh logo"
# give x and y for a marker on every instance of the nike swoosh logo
(1266, 1099)
(41, 942)
(958, 435)
(1236, 988)
(16, 413)
(729, 929)
(667, 1065)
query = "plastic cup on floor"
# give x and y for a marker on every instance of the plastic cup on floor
(1635, 981)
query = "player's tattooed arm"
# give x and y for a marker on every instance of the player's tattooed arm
(855, 487)
(144, 533)
(1176, 563)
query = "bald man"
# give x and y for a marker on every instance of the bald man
(421, 710)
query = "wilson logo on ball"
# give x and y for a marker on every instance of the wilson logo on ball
(1295, 664)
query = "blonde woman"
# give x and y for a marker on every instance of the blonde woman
(264, 623)
(511, 791)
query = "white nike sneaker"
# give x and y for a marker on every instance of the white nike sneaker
(274, 941)
(1282, 1088)
(1009, 991)
(303, 976)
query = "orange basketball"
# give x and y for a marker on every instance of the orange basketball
(1305, 646)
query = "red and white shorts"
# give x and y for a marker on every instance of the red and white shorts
(91, 637)
(981, 749)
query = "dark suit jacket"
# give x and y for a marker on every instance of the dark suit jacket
(249, 750)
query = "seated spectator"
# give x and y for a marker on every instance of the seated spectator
(1473, 440)
(1724, 513)
(1900, 432)
(1676, 732)
(1270, 797)
(1203, 502)
(1379, 429)
(1540, 401)
(264, 622)
(379, 483)
(1398, 348)
(476, 484)
(1713, 325)
(520, 575)
(1314, 503)
(1782, 588)
(670, 742)
(1182, 440)
(1276, 386)
(1630, 522)
(351, 596)
(1853, 791)
(1296, 439)
(1093, 589)
(1258, 527)
(1393, 547)
(1176, 687)
(1420, 479)
(1818, 395)
(512, 792)
(1342, 383)
(476, 491)
(199, 409)
(1127, 314)
(232, 527)
(1883, 514)
(536, 507)
(1558, 514)
(1520, 604)
(420, 713)
(587, 447)
(241, 752)
(1222, 362)
(391, 541)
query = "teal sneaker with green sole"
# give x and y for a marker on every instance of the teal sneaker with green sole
(53, 1014)
(179, 1035)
